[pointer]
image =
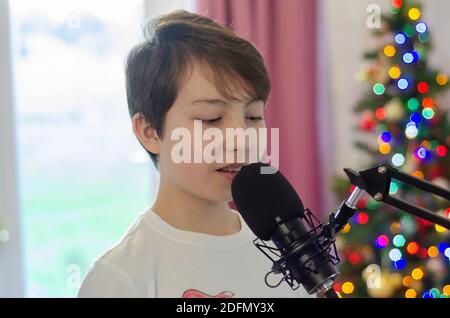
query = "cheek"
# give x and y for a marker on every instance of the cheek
(186, 173)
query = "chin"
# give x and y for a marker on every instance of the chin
(220, 196)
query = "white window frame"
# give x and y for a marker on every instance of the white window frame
(11, 260)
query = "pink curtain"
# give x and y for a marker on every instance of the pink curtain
(284, 32)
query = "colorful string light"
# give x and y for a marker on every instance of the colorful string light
(441, 151)
(384, 148)
(446, 290)
(397, 4)
(421, 27)
(427, 113)
(354, 258)
(390, 50)
(435, 293)
(381, 241)
(409, 30)
(348, 288)
(395, 254)
(414, 14)
(447, 252)
(424, 37)
(407, 281)
(410, 293)
(400, 264)
(400, 38)
(422, 87)
(399, 240)
(386, 136)
(346, 229)
(417, 274)
(442, 247)
(411, 130)
(441, 79)
(395, 228)
(412, 248)
(362, 218)
(421, 153)
(403, 83)
(380, 113)
(408, 58)
(428, 102)
(393, 188)
(413, 104)
(415, 117)
(378, 89)
(398, 160)
(395, 72)
(433, 251)
(440, 229)
(418, 174)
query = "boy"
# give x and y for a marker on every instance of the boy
(189, 243)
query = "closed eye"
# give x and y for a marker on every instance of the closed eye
(211, 121)
(255, 118)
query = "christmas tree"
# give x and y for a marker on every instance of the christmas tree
(386, 252)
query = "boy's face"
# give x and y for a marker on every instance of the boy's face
(199, 99)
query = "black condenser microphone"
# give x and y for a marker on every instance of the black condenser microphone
(273, 211)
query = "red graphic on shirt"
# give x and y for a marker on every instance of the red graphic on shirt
(193, 293)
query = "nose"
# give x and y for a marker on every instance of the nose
(236, 141)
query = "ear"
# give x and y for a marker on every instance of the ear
(146, 134)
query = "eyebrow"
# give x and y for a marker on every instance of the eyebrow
(221, 102)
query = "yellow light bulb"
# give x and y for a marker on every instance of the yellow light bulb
(395, 228)
(439, 228)
(417, 274)
(426, 144)
(384, 148)
(346, 228)
(410, 293)
(446, 290)
(418, 174)
(394, 72)
(389, 50)
(433, 251)
(407, 281)
(348, 288)
(441, 79)
(414, 14)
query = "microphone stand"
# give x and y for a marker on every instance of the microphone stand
(376, 182)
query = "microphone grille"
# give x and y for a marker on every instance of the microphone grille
(260, 197)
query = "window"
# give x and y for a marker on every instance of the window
(83, 175)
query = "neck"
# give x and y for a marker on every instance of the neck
(192, 213)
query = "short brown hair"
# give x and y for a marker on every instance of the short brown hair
(156, 67)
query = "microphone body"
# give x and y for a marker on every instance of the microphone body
(308, 262)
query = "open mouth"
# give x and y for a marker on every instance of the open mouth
(231, 168)
(230, 171)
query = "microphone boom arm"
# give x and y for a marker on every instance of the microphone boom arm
(376, 182)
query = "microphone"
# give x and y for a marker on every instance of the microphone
(274, 212)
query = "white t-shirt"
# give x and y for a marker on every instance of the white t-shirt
(155, 259)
